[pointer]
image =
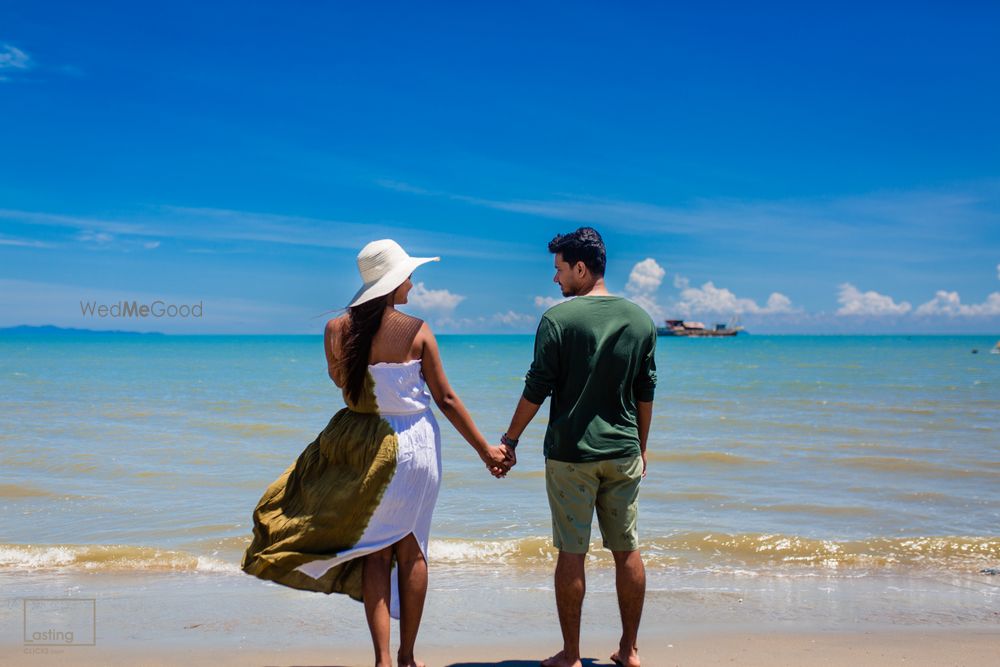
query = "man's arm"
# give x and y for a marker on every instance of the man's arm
(523, 414)
(644, 414)
(645, 386)
(538, 383)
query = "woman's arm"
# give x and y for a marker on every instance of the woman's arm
(451, 405)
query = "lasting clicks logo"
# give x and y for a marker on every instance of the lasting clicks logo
(58, 622)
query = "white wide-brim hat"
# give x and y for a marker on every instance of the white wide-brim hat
(384, 266)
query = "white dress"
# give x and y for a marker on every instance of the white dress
(407, 503)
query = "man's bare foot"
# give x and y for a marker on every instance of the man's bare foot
(407, 661)
(625, 659)
(560, 660)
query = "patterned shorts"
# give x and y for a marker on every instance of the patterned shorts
(576, 489)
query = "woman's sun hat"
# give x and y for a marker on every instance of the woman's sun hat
(384, 266)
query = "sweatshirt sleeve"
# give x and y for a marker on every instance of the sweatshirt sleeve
(540, 380)
(645, 380)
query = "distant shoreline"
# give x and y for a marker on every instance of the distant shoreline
(49, 330)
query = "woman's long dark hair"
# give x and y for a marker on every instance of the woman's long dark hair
(364, 321)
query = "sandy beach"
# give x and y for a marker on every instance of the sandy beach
(218, 619)
(913, 647)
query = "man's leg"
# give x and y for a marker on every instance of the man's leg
(572, 489)
(630, 580)
(617, 514)
(570, 586)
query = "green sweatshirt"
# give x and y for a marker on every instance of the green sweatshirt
(595, 356)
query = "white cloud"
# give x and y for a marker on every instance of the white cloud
(998, 271)
(949, 303)
(548, 301)
(151, 245)
(645, 277)
(243, 227)
(12, 58)
(643, 282)
(24, 243)
(866, 225)
(437, 301)
(778, 303)
(399, 186)
(718, 300)
(855, 302)
(511, 318)
(90, 236)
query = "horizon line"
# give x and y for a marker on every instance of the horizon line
(70, 330)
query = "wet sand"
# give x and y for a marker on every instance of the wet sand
(188, 619)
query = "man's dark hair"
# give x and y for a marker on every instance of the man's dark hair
(584, 245)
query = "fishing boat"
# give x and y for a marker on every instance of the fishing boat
(691, 329)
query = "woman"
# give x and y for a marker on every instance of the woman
(352, 515)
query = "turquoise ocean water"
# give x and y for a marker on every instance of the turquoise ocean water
(768, 454)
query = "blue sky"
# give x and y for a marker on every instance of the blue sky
(807, 168)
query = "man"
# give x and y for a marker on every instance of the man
(594, 355)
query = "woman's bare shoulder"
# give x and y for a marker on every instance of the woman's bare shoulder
(406, 326)
(336, 325)
(424, 337)
(409, 319)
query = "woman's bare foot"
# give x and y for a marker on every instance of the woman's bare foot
(407, 661)
(560, 660)
(624, 658)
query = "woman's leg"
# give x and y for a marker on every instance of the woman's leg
(412, 591)
(376, 590)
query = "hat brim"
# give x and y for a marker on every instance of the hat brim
(389, 281)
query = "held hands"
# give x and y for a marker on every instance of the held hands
(496, 460)
(510, 455)
(500, 459)
(507, 446)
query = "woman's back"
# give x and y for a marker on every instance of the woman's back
(394, 365)
(395, 341)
